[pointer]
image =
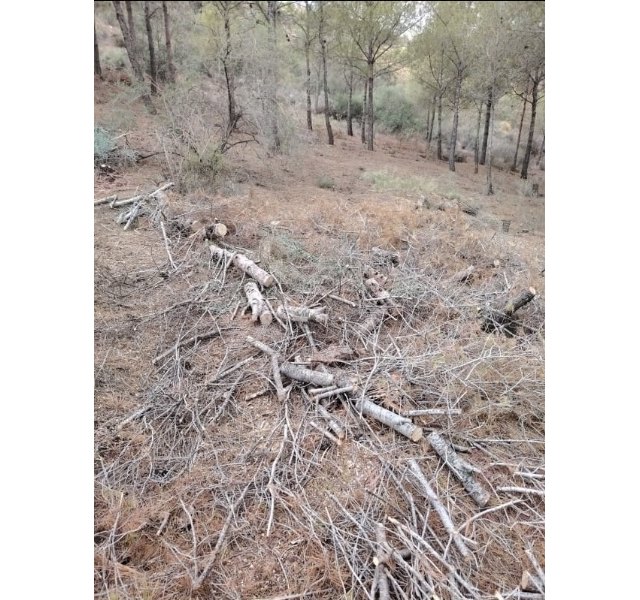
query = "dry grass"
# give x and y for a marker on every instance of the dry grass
(176, 444)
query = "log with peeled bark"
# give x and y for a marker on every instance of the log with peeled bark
(459, 468)
(259, 309)
(133, 199)
(315, 377)
(106, 200)
(430, 494)
(502, 320)
(398, 423)
(244, 264)
(303, 314)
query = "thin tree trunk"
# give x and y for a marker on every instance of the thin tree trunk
(228, 75)
(171, 70)
(476, 149)
(370, 110)
(454, 129)
(541, 153)
(323, 48)
(491, 127)
(307, 48)
(426, 135)
(153, 70)
(433, 118)
(272, 9)
(363, 118)
(483, 154)
(97, 69)
(350, 104)
(128, 33)
(524, 110)
(439, 136)
(532, 126)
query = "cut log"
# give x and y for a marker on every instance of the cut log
(333, 354)
(303, 314)
(496, 320)
(464, 276)
(372, 322)
(307, 375)
(430, 494)
(376, 290)
(530, 583)
(459, 468)
(259, 309)
(332, 421)
(398, 423)
(217, 230)
(106, 200)
(385, 256)
(244, 264)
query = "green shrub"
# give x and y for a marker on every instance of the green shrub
(326, 183)
(394, 111)
(107, 150)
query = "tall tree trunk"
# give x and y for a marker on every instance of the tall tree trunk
(426, 134)
(433, 118)
(532, 126)
(370, 109)
(363, 118)
(483, 154)
(476, 149)
(97, 69)
(307, 48)
(524, 110)
(128, 33)
(491, 127)
(323, 49)
(229, 75)
(541, 153)
(171, 70)
(453, 140)
(439, 136)
(272, 86)
(153, 70)
(350, 104)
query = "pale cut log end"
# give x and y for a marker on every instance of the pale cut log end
(268, 281)
(266, 318)
(533, 291)
(323, 319)
(530, 583)
(416, 434)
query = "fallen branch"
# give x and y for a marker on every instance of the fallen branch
(166, 244)
(259, 309)
(382, 557)
(432, 411)
(332, 422)
(201, 337)
(463, 276)
(106, 200)
(303, 314)
(326, 433)
(308, 376)
(275, 367)
(459, 468)
(133, 199)
(398, 423)
(530, 583)
(200, 580)
(339, 299)
(520, 490)
(244, 264)
(430, 494)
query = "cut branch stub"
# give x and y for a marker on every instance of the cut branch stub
(259, 309)
(244, 264)
(398, 423)
(502, 320)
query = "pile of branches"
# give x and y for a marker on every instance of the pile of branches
(380, 355)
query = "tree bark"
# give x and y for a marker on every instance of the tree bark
(532, 126)
(499, 320)
(402, 425)
(490, 110)
(460, 469)
(307, 48)
(171, 70)
(370, 108)
(350, 104)
(439, 136)
(541, 153)
(229, 75)
(433, 118)
(524, 110)
(453, 140)
(363, 118)
(259, 309)
(97, 69)
(303, 314)
(323, 47)
(244, 264)
(130, 43)
(153, 70)
(476, 149)
(272, 86)
(487, 120)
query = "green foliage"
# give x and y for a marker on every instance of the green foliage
(384, 181)
(339, 104)
(106, 150)
(395, 111)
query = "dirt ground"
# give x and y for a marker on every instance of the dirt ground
(209, 485)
